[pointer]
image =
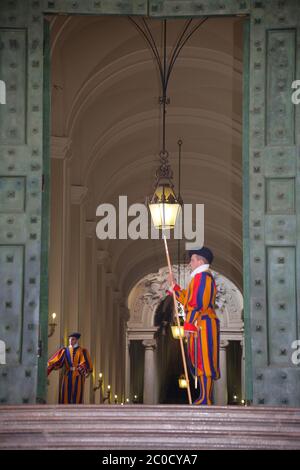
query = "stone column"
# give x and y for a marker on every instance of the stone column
(117, 363)
(220, 386)
(122, 358)
(78, 194)
(60, 204)
(88, 308)
(242, 343)
(126, 347)
(102, 321)
(149, 372)
(66, 230)
(109, 356)
(60, 160)
(83, 319)
(127, 368)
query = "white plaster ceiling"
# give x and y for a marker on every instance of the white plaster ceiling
(105, 93)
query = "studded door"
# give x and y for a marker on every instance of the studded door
(274, 202)
(21, 168)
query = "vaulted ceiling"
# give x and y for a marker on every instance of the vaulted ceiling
(105, 91)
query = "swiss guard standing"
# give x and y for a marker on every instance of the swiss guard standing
(201, 323)
(78, 366)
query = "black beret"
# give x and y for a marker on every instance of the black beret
(75, 335)
(205, 252)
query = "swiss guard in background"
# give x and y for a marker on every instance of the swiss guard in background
(201, 323)
(78, 366)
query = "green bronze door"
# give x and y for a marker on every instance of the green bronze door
(274, 202)
(21, 170)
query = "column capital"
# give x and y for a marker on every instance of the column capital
(90, 228)
(78, 194)
(224, 343)
(142, 334)
(60, 147)
(117, 296)
(149, 344)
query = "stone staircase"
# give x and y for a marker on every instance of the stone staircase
(134, 427)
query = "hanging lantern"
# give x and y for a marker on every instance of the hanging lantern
(177, 331)
(182, 381)
(164, 205)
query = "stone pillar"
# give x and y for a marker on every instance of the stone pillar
(242, 343)
(126, 355)
(220, 386)
(60, 203)
(149, 372)
(89, 305)
(83, 319)
(117, 363)
(65, 259)
(60, 159)
(127, 368)
(121, 365)
(78, 194)
(102, 320)
(110, 347)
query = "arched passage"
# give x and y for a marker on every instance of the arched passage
(106, 141)
(150, 317)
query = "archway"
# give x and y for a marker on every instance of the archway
(105, 144)
(149, 320)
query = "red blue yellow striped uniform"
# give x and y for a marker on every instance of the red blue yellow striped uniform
(203, 329)
(78, 364)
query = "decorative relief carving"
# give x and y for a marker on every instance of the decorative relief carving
(12, 194)
(280, 195)
(280, 72)
(13, 54)
(151, 290)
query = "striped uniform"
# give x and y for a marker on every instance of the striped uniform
(203, 330)
(77, 363)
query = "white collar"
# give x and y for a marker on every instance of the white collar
(200, 269)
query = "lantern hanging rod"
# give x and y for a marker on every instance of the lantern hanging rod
(179, 142)
(164, 68)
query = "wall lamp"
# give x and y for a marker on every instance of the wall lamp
(135, 399)
(100, 386)
(52, 325)
(107, 396)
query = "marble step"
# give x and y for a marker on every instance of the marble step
(148, 427)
